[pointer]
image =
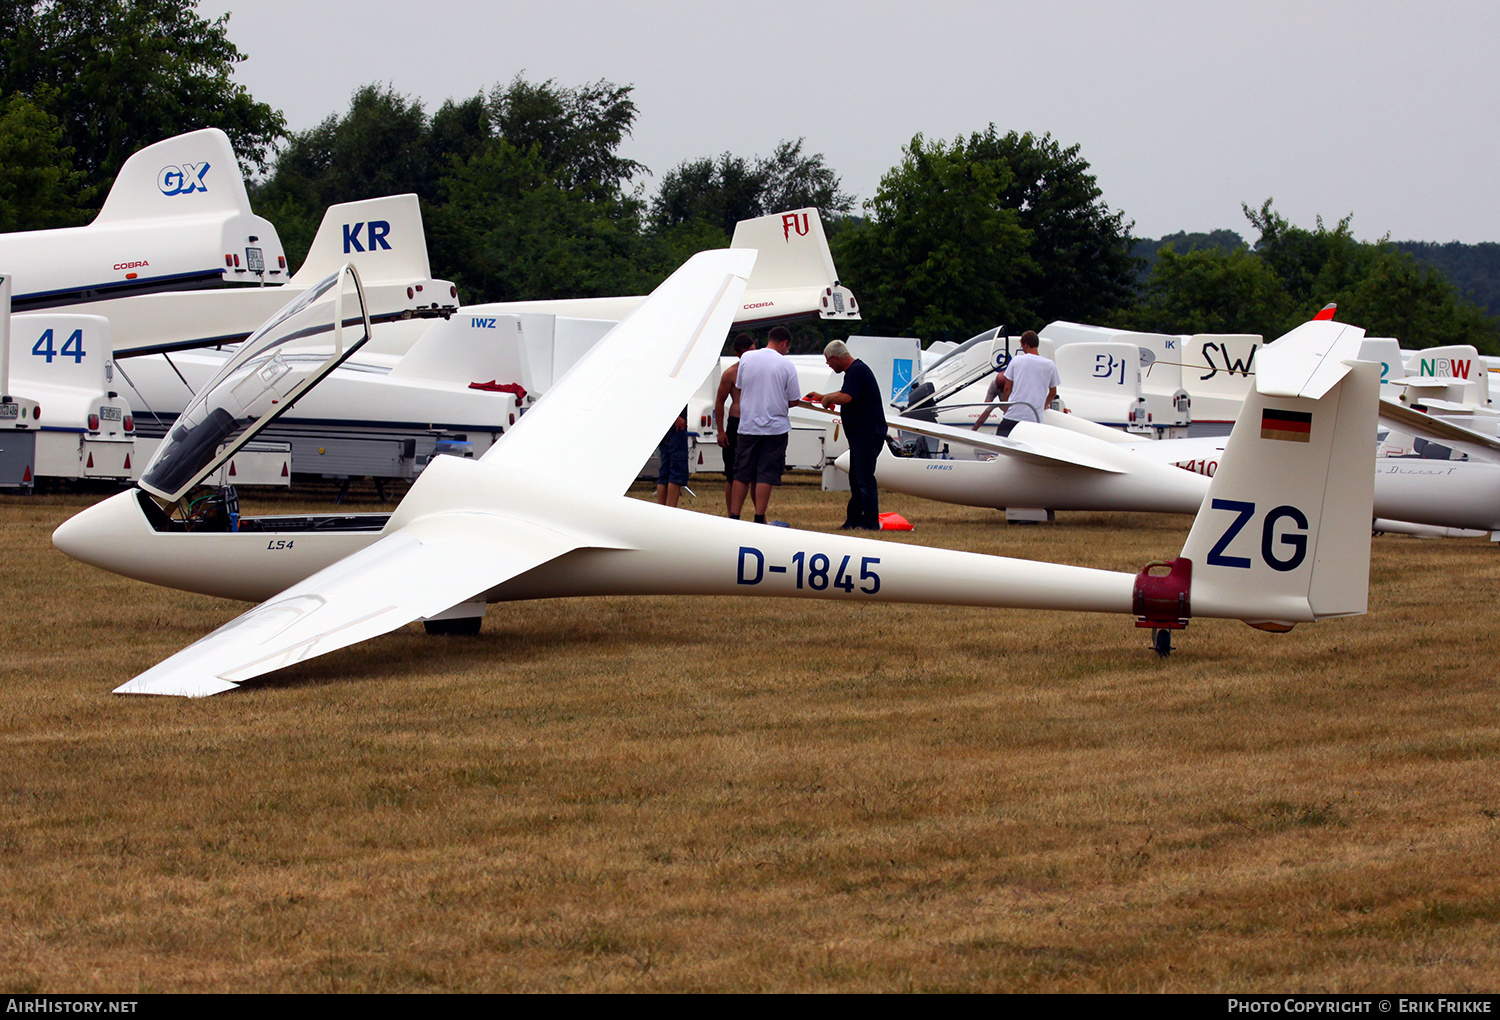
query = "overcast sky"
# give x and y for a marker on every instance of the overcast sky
(1381, 108)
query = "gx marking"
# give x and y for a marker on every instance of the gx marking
(1245, 512)
(812, 571)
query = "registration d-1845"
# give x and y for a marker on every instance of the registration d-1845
(816, 571)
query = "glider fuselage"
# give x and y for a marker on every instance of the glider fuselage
(626, 547)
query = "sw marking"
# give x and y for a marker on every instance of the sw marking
(1232, 365)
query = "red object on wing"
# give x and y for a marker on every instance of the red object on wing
(498, 387)
(1329, 311)
(894, 522)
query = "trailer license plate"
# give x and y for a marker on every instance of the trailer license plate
(254, 260)
(109, 413)
(10, 411)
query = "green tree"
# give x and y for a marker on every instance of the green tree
(1213, 291)
(509, 230)
(475, 164)
(1145, 249)
(1293, 272)
(1080, 250)
(1400, 298)
(1012, 228)
(732, 189)
(575, 132)
(941, 255)
(795, 181)
(1313, 265)
(39, 189)
(1473, 268)
(379, 147)
(121, 74)
(717, 194)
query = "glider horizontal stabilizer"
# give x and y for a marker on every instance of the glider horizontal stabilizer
(1419, 423)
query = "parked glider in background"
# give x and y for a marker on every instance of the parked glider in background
(1282, 538)
(1068, 463)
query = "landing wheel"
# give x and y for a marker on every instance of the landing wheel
(463, 626)
(1161, 642)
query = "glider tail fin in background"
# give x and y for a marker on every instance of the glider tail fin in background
(1283, 535)
(382, 237)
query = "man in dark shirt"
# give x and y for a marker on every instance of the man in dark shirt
(865, 428)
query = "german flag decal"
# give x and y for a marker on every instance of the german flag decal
(1293, 426)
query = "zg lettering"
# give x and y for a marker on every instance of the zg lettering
(812, 571)
(1280, 549)
(376, 232)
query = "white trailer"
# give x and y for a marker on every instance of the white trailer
(62, 417)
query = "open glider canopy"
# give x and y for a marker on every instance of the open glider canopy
(287, 356)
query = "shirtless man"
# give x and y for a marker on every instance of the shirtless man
(729, 426)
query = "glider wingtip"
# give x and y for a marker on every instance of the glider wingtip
(176, 688)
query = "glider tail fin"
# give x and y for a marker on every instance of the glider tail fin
(1283, 535)
(381, 237)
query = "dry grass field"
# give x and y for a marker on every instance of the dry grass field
(759, 795)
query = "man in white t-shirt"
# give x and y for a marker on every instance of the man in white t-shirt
(1029, 382)
(768, 387)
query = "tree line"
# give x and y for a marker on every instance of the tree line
(525, 195)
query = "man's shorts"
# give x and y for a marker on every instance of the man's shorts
(673, 452)
(760, 460)
(731, 445)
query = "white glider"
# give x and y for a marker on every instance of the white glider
(1283, 536)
